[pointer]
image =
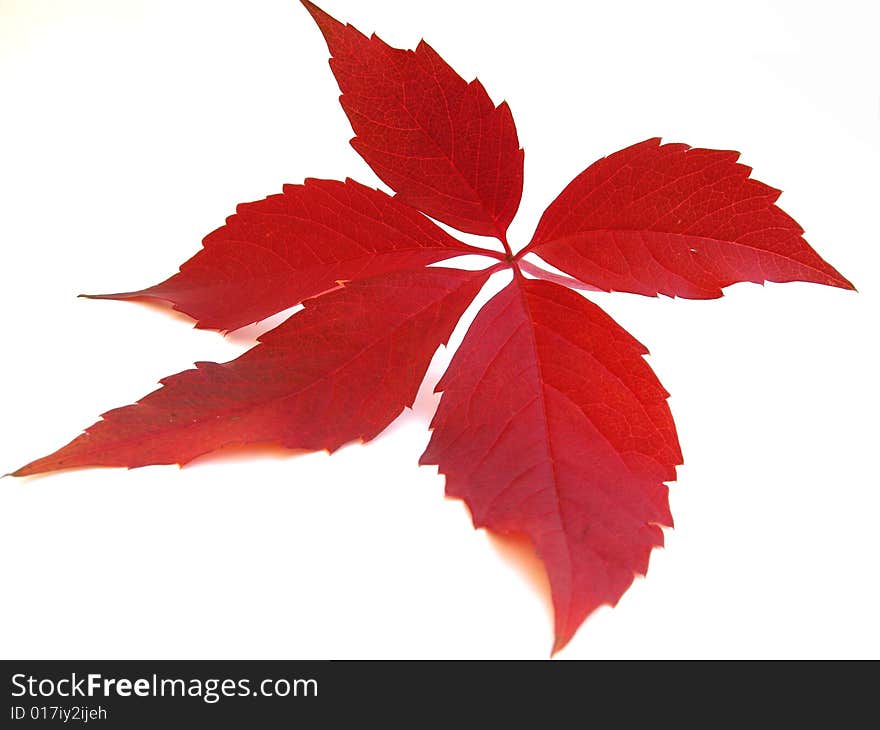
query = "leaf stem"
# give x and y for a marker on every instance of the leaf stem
(480, 251)
(501, 266)
(508, 254)
(521, 253)
(568, 281)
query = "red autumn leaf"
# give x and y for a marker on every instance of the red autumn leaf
(668, 219)
(341, 369)
(274, 253)
(550, 422)
(436, 140)
(553, 425)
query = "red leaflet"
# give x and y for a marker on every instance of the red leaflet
(551, 423)
(669, 219)
(341, 369)
(437, 141)
(276, 252)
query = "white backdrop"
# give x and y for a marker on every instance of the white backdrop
(131, 129)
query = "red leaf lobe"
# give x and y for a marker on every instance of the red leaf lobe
(675, 220)
(341, 369)
(435, 139)
(276, 252)
(552, 424)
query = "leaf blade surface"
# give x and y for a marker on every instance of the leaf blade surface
(670, 219)
(552, 424)
(341, 369)
(439, 142)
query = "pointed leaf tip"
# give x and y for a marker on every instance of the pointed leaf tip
(324, 20)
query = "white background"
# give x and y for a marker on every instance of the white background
(129, 130)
